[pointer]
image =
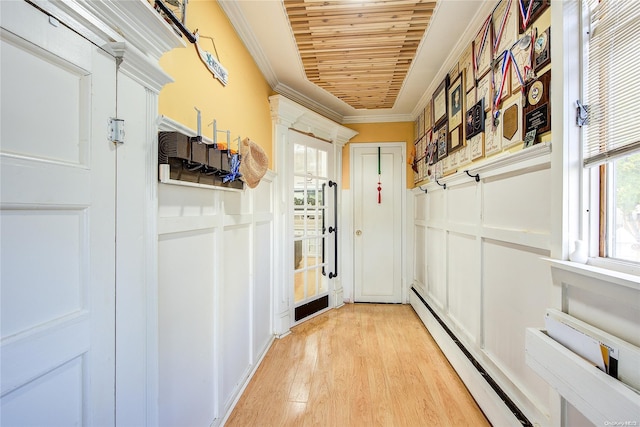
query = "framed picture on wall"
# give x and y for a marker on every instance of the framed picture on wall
(456, 102)
(456, 140)
(428, 113)
(441, 136)
(440, 102)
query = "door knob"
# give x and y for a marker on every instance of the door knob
(358, 232)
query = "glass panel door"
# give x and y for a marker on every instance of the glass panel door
(311, 220)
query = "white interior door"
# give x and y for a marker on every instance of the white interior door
(377, 224)
(57, 224)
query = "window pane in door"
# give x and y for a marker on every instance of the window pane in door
(298, 159)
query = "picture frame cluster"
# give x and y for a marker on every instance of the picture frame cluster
(494, 97)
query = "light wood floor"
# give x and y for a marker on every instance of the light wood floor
(360, 365)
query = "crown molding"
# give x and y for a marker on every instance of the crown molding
(240, 24)
(138, 66)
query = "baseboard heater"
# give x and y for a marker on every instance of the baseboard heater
(507, 401)
(311, 307)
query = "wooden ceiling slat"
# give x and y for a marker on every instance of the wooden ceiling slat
(360, 51)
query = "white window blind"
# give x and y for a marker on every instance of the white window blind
(613, 80)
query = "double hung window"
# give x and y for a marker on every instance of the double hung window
(611, 139)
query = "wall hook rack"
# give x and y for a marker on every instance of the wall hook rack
(444, 186)
(422, 189)
(476, 176)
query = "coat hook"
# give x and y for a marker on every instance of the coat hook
(444, 186)
(476, 176)
(423, 189)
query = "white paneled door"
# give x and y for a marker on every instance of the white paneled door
(377, 222)
(57, 224)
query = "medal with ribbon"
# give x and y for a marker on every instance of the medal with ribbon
(506, 63)
(526, 15)
(503, 23)
(485, 33)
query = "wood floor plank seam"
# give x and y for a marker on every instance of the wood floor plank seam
(359, 365)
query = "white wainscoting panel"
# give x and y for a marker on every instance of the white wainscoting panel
(462, 207)
(186, 328)
(518, 201)
(464, 291)
(437, 266)
(486, 279)
(262, 275)
(236, 311)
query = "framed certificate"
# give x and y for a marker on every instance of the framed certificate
(476, 146)
(455, 140)
(492, 137)
(522, 56)
(505, 26)
(440, 102)
(483, 91)
(441, 136)
(466, 67)
(456, 102)
(482, 50)
(428, 117)
(421, 124)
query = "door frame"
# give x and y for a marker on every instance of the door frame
(348, 212)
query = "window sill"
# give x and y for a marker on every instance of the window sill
(595, 272)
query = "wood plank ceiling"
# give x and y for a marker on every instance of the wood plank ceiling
(360, 51)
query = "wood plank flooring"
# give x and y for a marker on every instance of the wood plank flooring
(359, 365)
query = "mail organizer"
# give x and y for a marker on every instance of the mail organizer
(190, 159)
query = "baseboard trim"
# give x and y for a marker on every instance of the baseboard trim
(480, 371)
(228, 412)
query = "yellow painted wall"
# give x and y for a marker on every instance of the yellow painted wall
(242, 106)
(378, 132)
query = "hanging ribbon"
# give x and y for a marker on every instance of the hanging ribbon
(379, 182)
(485, 33)
(506, 62)
(518, 74)
(526, 15)
(502, 25)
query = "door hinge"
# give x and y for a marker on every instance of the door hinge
(115, 131)
(582, 114)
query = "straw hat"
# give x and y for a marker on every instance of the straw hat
(254, 162)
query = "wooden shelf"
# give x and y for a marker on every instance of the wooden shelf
(600, 397)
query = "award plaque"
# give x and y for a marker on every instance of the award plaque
(455, 139)
(542, 50)
(537, 110)
(537, 9)
(511, 122)
(474, 120)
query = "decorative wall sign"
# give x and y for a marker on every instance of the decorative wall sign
(441, 136)
(466, 67)
(533, 10)
(440, 102)
(537, 110)
(213, 65)
(542, 50)
(456, 102)
(474, 121)
(511, 119)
